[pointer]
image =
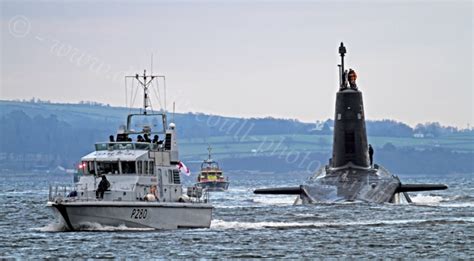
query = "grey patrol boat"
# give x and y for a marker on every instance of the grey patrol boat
(144, 189)
(350, 175)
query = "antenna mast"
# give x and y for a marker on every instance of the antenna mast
(209, 149)
(145, 81)
(342, 74)
(173, 110)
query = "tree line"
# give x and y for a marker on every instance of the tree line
(62, 136)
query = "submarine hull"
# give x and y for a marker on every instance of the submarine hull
(350, 184)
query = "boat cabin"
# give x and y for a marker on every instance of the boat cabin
(132, 167)
(210, 171)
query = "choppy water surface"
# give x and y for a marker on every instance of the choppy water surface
(440, 224)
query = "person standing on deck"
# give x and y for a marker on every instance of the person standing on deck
(104, 185)
(371, 155)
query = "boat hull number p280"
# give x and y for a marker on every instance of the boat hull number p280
(139, 213)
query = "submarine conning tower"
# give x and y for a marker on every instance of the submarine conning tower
(350, 136)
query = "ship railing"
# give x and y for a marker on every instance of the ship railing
(198, 194)
(61, 192)
(205, 197)
(100, 146)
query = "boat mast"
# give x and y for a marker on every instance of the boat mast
(342, 73)
(145, 82)
(209, 155)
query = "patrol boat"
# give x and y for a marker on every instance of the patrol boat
(350, 174)
(211, 177)
(144, 189)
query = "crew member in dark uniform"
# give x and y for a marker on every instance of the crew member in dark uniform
(371, 155)
(147, 139)
(103, 186)
(352, 79)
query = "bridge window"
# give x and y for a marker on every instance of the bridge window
(101, 146)
(143, 146)
(121, 146)
(151, 167)
(128, 167)
(107, 168)
(145, 167)
(170, 176)
(90, 167)
(139, 167)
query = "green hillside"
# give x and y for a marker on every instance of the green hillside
(47, 135)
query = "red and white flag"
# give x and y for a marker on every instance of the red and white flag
(183, 169)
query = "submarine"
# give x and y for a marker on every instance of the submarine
(350, 175)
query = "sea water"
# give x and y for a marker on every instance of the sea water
(245, 225)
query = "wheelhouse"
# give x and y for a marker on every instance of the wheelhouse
(210, 165)
(210, 171)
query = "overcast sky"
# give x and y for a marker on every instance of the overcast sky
(246, 58)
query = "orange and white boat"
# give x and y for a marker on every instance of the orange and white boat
(211, 176)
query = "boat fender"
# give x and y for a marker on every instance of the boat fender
(184, 198)
(149, 197)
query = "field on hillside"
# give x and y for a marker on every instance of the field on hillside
(227, 146)
(263, 144)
